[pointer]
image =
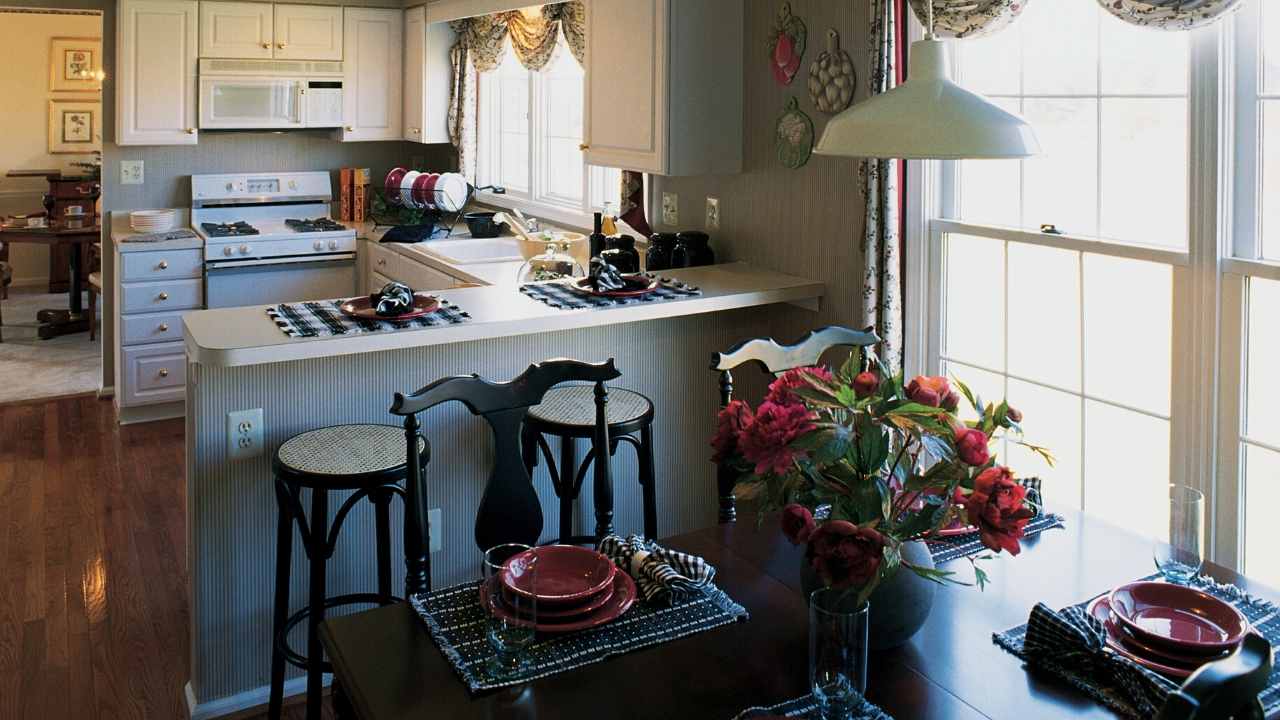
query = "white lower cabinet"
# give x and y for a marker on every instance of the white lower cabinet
(153, 373)
(384, 265)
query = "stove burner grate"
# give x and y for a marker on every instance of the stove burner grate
(229, 229)
(321, 224)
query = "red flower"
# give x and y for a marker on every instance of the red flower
(996, 506)
(797, 523)
(766, 440)
(931, 391)
(865, 384)
(729, 424)
(780, 390)
(971, 446)
(844, 554)
(951, 401)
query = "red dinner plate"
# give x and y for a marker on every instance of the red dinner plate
(636, 285)
(1100, 608)
(365, 308)
(559, 612)
(392, 183)
(620, 600)
(566, 574)
(1178, 617)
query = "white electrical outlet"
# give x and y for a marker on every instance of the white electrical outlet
(433, 530)
(244, 434)
(713, 213)
(131, 172)
(670, 209)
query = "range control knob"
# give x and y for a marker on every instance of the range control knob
(317, 245)
(227, 250)
(333, 244)
(230, 187)
(244, 249)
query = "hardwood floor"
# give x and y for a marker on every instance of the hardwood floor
(93, 585)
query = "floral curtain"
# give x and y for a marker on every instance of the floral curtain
(1170, 14)
(881, 240)
(968, 18)
(631, 208)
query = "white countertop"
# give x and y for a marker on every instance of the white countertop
(122, 234)
(233, 337)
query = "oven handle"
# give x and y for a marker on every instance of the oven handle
(225, 265)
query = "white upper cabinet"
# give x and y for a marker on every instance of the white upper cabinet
(156, 56)
(308, 32)
(372, 84)
(664, 86)
(236, 30)
(426, 77)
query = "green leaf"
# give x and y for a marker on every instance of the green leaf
(872, 446)
(937, 447)
(1043, 452)
(914, 408)
(968, 394)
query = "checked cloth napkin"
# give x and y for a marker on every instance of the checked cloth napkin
(322, 318)
(558, 294)
(661, 574)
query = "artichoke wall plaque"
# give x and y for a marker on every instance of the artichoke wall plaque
(831, 78)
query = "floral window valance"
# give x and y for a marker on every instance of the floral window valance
(970, 18)
(1170, 14)
(533, 37)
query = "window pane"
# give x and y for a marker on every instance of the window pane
(1137, 61)
(1269, 193)
(1062, 184)
(1128, 328)
(988, 63)
(1044, 314)
(975, 300)
(1126, 468)
(1144, 171)
(1262, 395)
(1261, 531)
(562, 85)
(1060, 47)
(990, 190)
(1050, 419)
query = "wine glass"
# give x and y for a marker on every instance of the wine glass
(1179, 555)
(512, 616)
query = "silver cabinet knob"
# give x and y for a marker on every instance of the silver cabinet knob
(163, 265)
(382, 262)
(164, 327)
(162, 296)
(164, 372)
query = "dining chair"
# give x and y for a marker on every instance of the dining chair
(1226, 688)
(6, 277)
(775, 359)
(509, 511)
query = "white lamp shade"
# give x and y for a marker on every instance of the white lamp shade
(928, 117)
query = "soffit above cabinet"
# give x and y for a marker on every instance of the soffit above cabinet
(442, 10)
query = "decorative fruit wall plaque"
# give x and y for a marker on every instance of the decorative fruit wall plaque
(786, 45)
(831, 78)
(793, 135)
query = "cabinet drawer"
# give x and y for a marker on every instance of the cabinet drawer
(161, 296)
(150, 328)
(161, 265)
(425, 279)
(153, 373)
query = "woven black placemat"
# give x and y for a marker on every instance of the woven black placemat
(958, 546)
(1263, 615)
(807, 707)
(322, 318)
(458, 624)
(558, 294)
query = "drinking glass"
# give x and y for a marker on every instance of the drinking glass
(1179, 556)
(512, 616)
(837, 651)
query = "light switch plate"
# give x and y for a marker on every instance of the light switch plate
(670, 209)
(131, 172)
(244, 434)
(435, 537)
(713, 213)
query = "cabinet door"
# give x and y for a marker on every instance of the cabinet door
(308, 32)
(235, 30)
(372, 79)
(625, 119)
(156, 48)
(415, 59)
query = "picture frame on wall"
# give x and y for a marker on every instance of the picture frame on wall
(75, 64)
(75, 127)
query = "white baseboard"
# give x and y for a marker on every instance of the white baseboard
(106, 391)
(150, 413)
(247, 700)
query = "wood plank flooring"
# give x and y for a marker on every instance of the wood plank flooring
(93, 584)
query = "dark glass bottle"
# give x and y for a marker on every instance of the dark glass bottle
(692, 250)
(596, 240)
(622, 254)
(658, 256)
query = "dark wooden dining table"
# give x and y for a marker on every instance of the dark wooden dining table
(387, 667)
(72, 319)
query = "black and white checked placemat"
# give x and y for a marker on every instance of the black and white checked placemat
(807, 707)
(559, 294)
(1263, 615)
(322, 318)
(958, 546)
(458, 625)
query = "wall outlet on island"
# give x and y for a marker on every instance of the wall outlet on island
(713, 213)
(131, 172)
(244, 434)
(670, 209)
(433, 530)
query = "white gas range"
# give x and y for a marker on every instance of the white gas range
(269, 238)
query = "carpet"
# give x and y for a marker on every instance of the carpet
(31, 368)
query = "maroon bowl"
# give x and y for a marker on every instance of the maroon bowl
(392, 184)
(1177, 617)
(565, 574)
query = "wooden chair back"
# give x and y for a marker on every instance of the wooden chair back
(775, 359)
(1226, 688)
(509, 510)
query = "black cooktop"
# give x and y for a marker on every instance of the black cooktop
(229, 229)
(321, 224)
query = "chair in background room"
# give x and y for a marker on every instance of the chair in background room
(6, 277)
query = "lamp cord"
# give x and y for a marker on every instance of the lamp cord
(928, 30)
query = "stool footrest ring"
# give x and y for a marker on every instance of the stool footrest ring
(299, 660)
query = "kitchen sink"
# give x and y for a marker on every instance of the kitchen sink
(466, 251)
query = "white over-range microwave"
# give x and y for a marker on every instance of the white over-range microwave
(270, 94)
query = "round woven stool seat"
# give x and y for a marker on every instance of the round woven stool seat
(345, 455)
(575, 405)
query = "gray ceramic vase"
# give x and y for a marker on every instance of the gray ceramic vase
(900, 606)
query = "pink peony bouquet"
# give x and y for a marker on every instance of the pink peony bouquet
(892, 460)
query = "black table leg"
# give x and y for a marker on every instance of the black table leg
(72, 320)
(76, 289)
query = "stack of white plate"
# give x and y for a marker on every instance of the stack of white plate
(149, 221)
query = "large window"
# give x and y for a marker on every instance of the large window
(529, 128)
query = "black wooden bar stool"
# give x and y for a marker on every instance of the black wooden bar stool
(569, 413)
(369, 459)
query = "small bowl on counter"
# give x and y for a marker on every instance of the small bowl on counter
(481, 225)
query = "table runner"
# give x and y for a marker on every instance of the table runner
(322, 318)
(807, 707)
(457, 623)
(958, 546)
(559, 295)
(1264, 616)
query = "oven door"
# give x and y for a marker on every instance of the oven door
(232, 103)
(271, 281)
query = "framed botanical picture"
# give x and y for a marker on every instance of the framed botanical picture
(75, 64)
(75, 126)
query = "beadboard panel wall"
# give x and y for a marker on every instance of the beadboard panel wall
(232, 508)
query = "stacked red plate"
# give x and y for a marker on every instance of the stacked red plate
(1172, 629)
(575, 589)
